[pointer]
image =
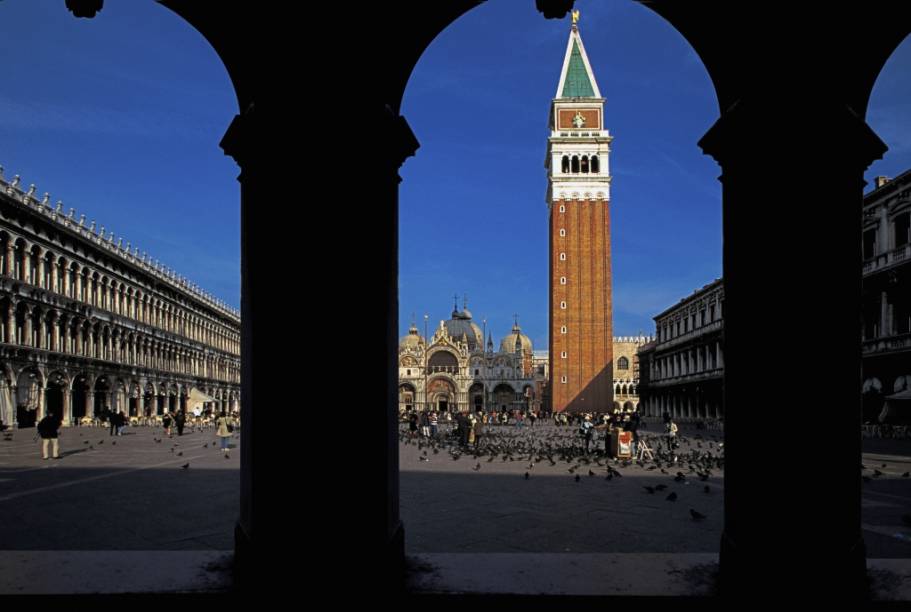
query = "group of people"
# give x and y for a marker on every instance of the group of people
(49, 428)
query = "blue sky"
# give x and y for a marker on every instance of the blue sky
(120, 117)
(473, 217)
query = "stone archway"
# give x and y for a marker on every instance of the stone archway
(441, 394)
(407, 394)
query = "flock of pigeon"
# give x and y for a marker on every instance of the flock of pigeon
(8, 437)
(696, 458)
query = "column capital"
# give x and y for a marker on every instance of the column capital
(799, 129)
(237, 140)
(401, 143)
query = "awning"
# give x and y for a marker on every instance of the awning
(197, 398)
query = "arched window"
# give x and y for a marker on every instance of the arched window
(575, 164)
(623, 363)
(595, 166)
(584, 167)
(617, 390)
(565, 165)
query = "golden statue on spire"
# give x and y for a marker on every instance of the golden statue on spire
(575, 16)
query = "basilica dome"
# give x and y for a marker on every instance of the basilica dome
(461, 325)
(412, 340)
(508, 344)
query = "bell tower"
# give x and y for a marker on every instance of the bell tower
(578, 199)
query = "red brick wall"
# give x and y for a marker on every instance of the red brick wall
(589, 338)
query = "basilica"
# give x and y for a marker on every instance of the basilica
(454, 370)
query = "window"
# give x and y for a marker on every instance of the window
(563, 330)
(702, 313)
(564, 167)
(562, 256)
(585, 164)
(408, 372)
(575, 164)
(563, 379)
(562, 280)
(562, 233)
(563, 355)
(595, 164)
(623, 363)
(869, 243)
(902, 224)
(563, 305)
(562, 208)
(477, 372)
(712, 312)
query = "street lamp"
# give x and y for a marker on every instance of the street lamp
(426, 343)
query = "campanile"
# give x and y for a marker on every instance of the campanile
(578, 199)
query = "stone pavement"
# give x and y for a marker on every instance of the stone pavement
(115, 499)
(449, 506)
(488, 529)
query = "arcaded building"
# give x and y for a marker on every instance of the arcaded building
(686, 360)
(578, 199)
(886, 326)
(88, 323)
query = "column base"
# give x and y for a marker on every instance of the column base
(794, 569)
(244, 580)
(395, 561)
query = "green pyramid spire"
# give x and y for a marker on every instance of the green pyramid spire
(577, 84)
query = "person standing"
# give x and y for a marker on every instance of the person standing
(586, 429)
(434, 425)
(47, 429)
(112, 419)
(166, 422)
(425, 424)
(225, 427)
(121, 422)
(180, 420)
(671, 431)
(413, 424)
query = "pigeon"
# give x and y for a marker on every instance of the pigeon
(100, 441)
(590, 473)
(113, 442)
(877, 473)
(180, 454)
(423, 458)
(527, 475)
(227, 456)
(696, 516)
(205, 446)
(651, 490)
(185, 466)
(86, 442)
(671, 497)
(477, 467)
(906, 474)
(884, 465)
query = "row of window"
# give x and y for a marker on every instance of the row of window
(701, 359)
(61, 333)
(688, 324)
(901, 236)
(580, 165)
(70, 279)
